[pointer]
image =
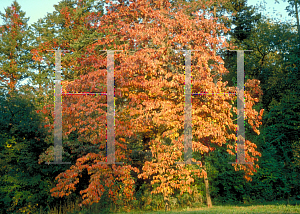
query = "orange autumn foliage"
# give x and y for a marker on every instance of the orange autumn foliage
(152, 79)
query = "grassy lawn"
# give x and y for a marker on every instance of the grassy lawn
(277, 207)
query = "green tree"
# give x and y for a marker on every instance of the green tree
(293, 10)
(25, 184)
(15, 56)
(279, 172)
(242, 20)
(274, 56)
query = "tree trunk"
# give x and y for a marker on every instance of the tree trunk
(167, 203)
(209, 204)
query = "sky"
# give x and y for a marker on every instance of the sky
(34, 9)
(272, 9)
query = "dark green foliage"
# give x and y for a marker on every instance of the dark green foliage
(25, 184)
(282, 132)
(227, 185)
(244, 19)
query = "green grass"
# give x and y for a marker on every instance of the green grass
(277, 207)
(234, 209)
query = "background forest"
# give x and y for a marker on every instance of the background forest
(149, 106)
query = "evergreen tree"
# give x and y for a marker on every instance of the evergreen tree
(15, 56)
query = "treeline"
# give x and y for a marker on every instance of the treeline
(149, 92)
